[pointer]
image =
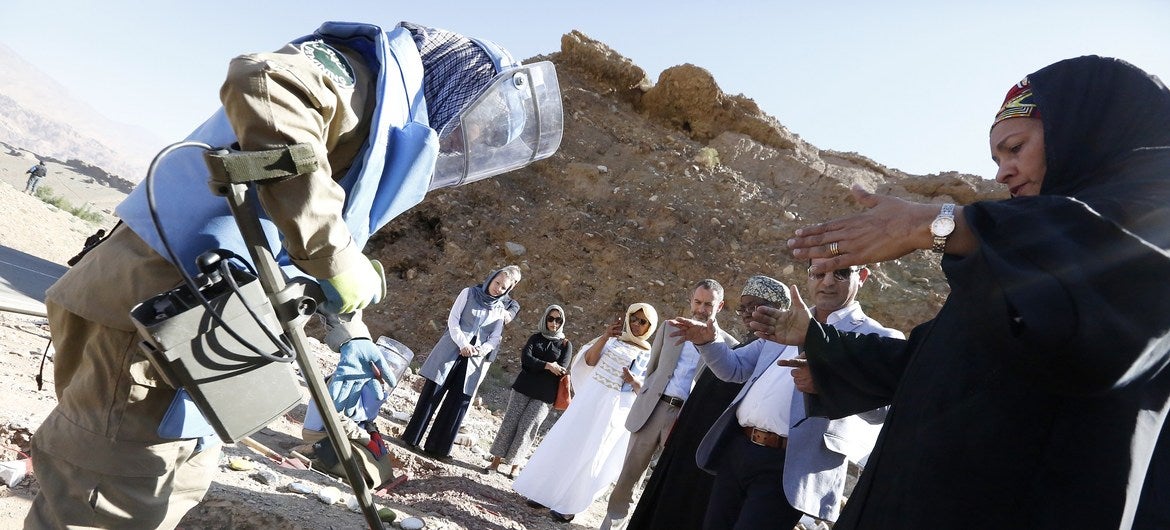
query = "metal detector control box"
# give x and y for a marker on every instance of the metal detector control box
(237, 390)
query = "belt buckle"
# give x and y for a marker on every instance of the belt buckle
(761, 438)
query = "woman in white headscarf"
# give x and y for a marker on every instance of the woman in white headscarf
(583, 453)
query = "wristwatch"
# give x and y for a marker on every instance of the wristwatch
(941, 227)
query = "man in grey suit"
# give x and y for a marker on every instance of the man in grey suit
(765, 447)
(669, 377)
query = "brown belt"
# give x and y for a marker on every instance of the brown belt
(765, 438)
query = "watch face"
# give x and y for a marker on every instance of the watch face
(942, 226)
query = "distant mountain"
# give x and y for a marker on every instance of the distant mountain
(40, 115)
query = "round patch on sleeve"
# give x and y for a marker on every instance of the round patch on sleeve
(332, 64)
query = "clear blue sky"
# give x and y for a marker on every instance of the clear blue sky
(912, 85)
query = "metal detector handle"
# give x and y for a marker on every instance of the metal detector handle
(272, 280)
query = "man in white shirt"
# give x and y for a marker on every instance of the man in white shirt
(764, 447)
(669, 377)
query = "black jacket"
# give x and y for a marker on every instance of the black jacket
(533, 380)
(1035, 397)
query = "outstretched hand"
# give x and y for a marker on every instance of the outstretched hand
(801, 375)
(782, 326)
(696, 332)
(889, 228)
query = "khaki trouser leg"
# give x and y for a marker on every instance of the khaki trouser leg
(639, 452)
(75, 497)
(97, 457)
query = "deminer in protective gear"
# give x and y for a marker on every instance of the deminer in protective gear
(389, 115)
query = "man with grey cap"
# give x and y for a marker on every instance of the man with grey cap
(765, 446)
(675, 497)
(374, 119)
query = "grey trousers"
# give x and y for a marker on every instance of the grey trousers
(518, 428)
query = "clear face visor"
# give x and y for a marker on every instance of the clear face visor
(516, 121)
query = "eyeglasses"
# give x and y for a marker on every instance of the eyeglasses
(745, 310)
(558, 320)
(839, 274)
(639, 321)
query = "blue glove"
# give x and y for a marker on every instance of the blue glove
(355, 370)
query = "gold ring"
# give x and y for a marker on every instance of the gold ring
(833, 249)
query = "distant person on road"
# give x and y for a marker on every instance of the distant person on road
(365, 110)
(35, 174)
(544, 360)
(95, 237)
(90, 243)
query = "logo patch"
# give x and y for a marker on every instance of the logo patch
(329, 62)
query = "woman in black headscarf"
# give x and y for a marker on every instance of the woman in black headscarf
(543, 362)
(1035, 396)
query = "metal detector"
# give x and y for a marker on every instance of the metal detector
(228, 337)
(234, 187)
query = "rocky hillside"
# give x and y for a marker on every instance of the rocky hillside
(655, 186)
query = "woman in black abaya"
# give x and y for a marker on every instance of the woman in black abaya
(1034, 398)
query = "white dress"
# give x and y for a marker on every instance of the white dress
(583, 452)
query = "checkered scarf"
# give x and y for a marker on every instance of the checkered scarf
(455, 71)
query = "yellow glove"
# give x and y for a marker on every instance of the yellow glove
(355, 288)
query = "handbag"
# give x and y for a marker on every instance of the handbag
(564, 393)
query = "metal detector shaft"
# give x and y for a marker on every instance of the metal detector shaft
(272, 280)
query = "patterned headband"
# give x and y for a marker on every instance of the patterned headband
(455, 71)
(1018, 103)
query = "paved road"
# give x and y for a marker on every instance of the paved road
(23, 281)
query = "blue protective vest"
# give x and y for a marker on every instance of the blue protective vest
(390, 174)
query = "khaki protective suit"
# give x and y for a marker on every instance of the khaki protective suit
(98, 458)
